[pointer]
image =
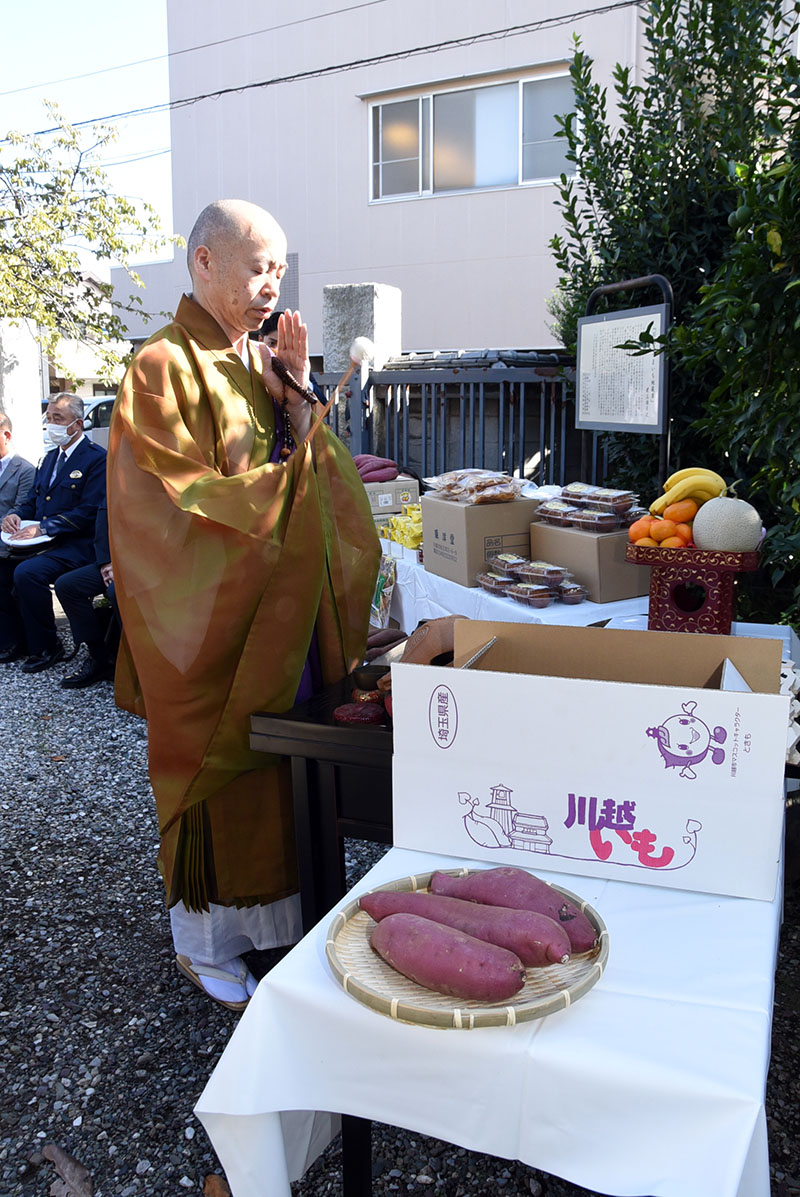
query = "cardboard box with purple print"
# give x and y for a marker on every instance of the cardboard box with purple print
(648, 757)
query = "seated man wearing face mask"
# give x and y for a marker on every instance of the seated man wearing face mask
(68, 488)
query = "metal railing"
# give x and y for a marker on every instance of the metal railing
(429, 419)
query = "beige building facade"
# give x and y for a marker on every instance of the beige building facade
(402, 142)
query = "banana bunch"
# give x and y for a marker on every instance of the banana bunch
(693, 483)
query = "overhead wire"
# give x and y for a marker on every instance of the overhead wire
(124, 66)
(135, 157)
(356, 64)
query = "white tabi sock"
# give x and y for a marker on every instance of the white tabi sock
(241, 986)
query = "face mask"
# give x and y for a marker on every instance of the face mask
(59, 434)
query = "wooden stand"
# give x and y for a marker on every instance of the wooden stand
(691, 590)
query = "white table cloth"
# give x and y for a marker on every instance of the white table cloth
(760, 631)
(419, 595)
(653, 1083)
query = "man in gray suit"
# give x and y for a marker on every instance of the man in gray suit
(16, 475)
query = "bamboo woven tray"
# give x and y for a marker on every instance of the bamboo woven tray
(370, 980)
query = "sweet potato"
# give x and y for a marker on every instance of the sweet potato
(378, 473)
(385, 636)
(360, 712)
(535, 938)
(371, 459)
(447, 960)
(522, 891)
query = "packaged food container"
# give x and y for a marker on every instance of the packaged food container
(495, 581)
(556, 512)
(632, 515)
(571, 592)
(578, 492)
(599, 496)
(476, 486)
(542, 572)
(614, 500)
(507, 563)
(531, 594)
(592, 520)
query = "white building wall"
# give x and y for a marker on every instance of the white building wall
(474, 268)
(23, 385)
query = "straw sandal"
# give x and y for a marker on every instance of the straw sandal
(195, 973)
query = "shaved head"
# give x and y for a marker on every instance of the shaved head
(226, 221)
(237, 257)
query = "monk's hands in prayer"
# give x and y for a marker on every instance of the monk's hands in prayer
(292, 349)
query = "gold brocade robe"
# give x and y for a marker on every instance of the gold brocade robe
(223, 566)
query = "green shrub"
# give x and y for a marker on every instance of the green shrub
(680, 179)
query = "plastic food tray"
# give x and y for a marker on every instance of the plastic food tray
(531, 594)
(543, 573)
(556, 512)
(495, 583)
(596, 521)
(600, 496)
(571, 593)
(506, 563)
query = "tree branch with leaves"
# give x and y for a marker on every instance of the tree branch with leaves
(651, 193)
(55, 203)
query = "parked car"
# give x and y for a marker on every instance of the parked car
(96, 419)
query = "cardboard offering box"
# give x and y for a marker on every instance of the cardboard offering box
(596, 560)
(638, 756)
(459, 537)
(389, 498)
(691, 590)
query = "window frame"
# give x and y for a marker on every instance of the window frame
(425, 99)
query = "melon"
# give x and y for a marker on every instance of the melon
(727, 526)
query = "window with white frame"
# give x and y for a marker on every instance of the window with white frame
(497, 135)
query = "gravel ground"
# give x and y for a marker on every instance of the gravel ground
(104, 1048)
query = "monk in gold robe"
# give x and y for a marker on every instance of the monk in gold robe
(245, 558)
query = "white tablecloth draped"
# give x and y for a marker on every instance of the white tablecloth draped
(790, 644)
(420, 595)
(653, 1083)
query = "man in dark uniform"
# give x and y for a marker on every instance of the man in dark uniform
(76, 592)
(67, 490)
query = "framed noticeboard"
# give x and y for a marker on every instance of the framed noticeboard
(618, 391)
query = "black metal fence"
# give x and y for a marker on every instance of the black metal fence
(433, 418)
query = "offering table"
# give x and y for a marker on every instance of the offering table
(653, 1083)
(421, 595)
(341, 776)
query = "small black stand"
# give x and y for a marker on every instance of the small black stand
(341, 783)
(356, 1156)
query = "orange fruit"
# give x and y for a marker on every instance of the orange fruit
(685, 531)
(640, 528)
(661, 529)
(673, 542)
(681, 512)
(647, 542)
